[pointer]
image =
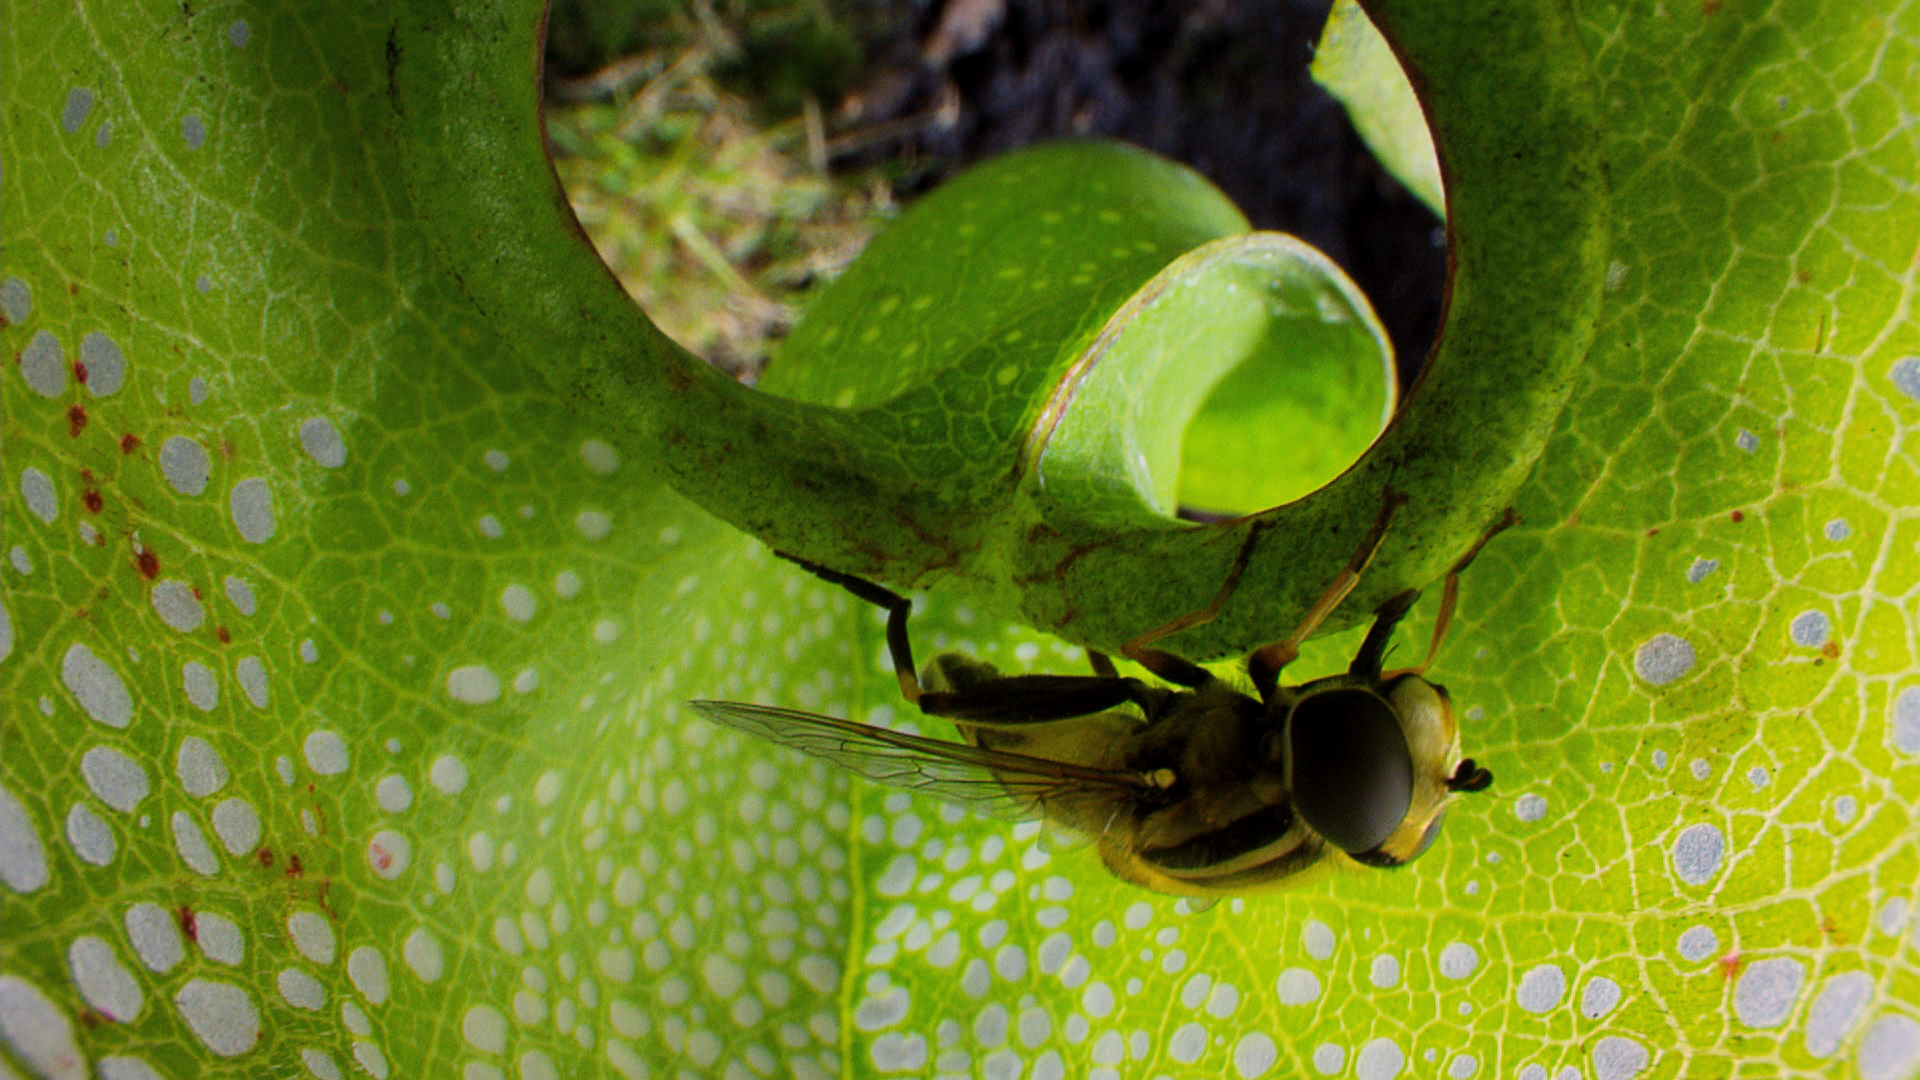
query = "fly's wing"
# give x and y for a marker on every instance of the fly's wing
(996, 781)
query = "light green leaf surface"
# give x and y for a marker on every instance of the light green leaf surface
(1355, 64)
(309, 566)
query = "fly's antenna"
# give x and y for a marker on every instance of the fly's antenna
(1469, 777)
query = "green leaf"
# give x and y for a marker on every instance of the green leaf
(379, 582)
(1355, 64)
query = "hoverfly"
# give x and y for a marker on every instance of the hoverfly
(1207, 791)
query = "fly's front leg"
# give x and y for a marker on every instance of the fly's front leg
(1450, 592)
(897, 607)
(1176, 669)
(1264, 663)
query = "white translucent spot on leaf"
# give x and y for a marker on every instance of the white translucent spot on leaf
(547, 788)
(1601, 995)
(1747, 441)
(193, 131)
(424, 957)
(448, 774)
(820, 973)
(496, 460)
(374, 1063)
(22, 856)
(490, 527)
(312, 935)
(221, 1015)
(1189, 1041)
(203, 690)
(106, 367)
(1297, 986)
(192, 845)
(1380, 1059)
(39, 1031)
(103, 980)
(326, 752)
(251, 674)
(874, 1013)
(393, 794)
(1317, 938)
(120, 1067)
(96, 686)
(90, 837)
(1541, 988)
(155, 936)
(1327, 1058)
(237, 824)
(1891, 1047)
(368, 970)
(176, 605)
(1458, 960)
(473, 684)
(240, 595)
(43, 364)
(114, 778)
(237, 34)
(309, 652)
(1463, 1066)
(1837, 530)
(1697, 853)
(1530, 807)
(593, 524)
(301, 990)
(1765, 993)
(1835, 1010)
(1697, 943)
(389, 853)
(1905, 376)
(1809, 629)
(37, 489)
(1904, 720)
(250, 504)
(1663, 658)
(518, 602)
(599, 457)
(219, 938)
(1385, 972)
(1618, 1058)
(185, 465)
(485, 1029)
(16, 300)
(6, 632)
(1700, 569)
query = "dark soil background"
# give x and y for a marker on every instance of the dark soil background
(926, 87)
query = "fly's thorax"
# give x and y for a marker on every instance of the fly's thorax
(955, 672)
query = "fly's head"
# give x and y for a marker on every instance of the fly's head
(1372, 763)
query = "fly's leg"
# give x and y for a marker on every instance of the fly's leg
(982, 695)
(1450, 592)
(1264, 664)
(897, 607)
(1102, 664)
(1176, 669)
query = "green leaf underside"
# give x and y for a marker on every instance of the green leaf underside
(1355, 64)
(1691, 673)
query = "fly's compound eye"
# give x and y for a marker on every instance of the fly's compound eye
(1352, 770)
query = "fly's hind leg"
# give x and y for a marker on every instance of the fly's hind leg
(897, 607)
(1450, 592)
(1177, 669)
(972, 691)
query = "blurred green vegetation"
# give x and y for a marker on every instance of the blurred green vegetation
(697, 162)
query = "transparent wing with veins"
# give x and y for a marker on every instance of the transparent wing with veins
(996, 781)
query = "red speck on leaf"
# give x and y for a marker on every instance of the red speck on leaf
(1653, 532)
(129, 443)
(188, 924)
(265, 855)
(80, 371)
(293, 866)
(221, 633)
(1737, 517)
(1730, 965)
(76, 420)
(89, 1018)
(149, 564)
(1831, 650)
(1708, 7)
(381, 858)
(93, 500)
